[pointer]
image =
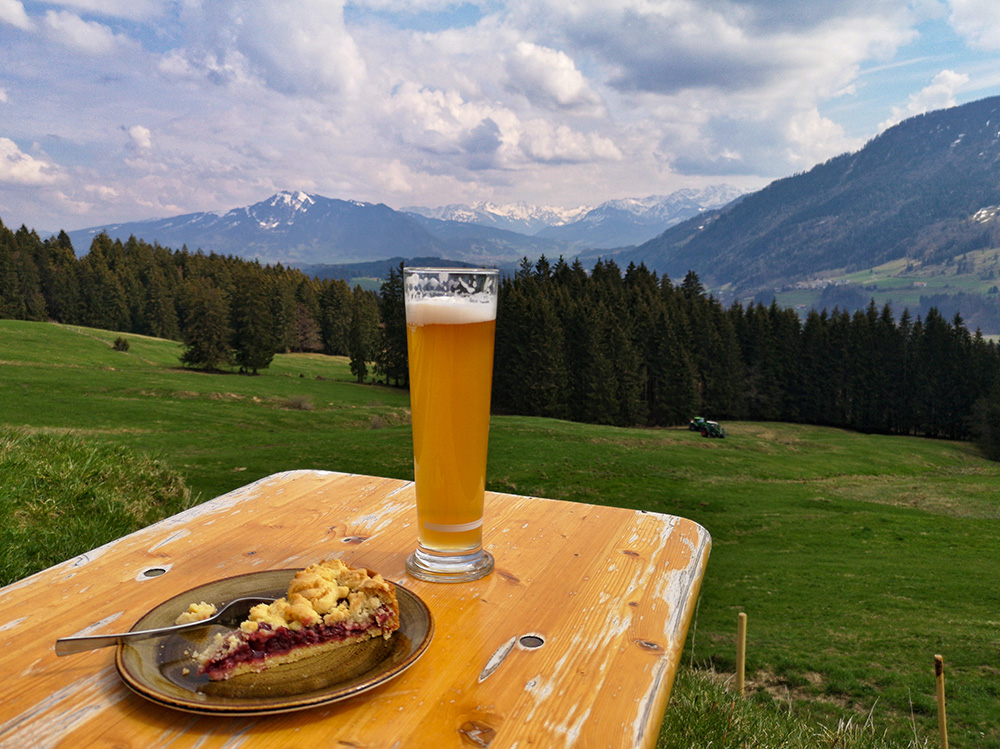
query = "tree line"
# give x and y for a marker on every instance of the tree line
(633, 348)
(599, 346)
(228, 312)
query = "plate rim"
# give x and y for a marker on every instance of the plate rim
(278, 704)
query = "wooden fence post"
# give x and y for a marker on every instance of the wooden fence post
(741, 651)
(942, 717)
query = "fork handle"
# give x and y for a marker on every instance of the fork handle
(70, 645)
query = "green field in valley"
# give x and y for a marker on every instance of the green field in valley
(856, 558)
(901, 283)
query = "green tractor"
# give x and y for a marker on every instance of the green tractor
(706, 427)
(712, 429)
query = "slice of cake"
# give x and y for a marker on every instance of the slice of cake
(328, 605)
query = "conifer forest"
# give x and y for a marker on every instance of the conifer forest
(598, 345)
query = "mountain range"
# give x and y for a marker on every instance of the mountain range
(917, 210)
(924, 192)
(304, 229)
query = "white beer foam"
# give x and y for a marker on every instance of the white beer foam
(446, 310)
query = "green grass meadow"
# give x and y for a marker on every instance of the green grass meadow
(856, 558)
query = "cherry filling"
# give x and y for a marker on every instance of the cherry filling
(266, 641)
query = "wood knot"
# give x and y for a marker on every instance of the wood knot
(353, 539)
(630, 553)
(653, 647)
(509, 577)
(476, 733)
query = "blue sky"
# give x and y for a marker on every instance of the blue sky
(118, 110)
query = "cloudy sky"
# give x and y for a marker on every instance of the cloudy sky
(117, 110)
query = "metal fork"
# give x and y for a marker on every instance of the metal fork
(232, 613)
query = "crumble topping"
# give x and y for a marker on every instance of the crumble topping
(327, 592)
(196, 612)
(328, 605)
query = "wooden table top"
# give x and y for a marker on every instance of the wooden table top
(609, 592)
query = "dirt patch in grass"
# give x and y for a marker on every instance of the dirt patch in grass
(968, 499)
(298, 403)
(91, 432)
(389, 418)
(783, 691)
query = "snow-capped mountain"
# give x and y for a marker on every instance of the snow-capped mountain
(667, 207)
(299, 228)
(630, 221)
(520, 217)
(615, 223)
(289, 227)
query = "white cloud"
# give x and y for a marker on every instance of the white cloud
(297, 47)
(135, 10)
(542, 141)
(550, 77)
(102, 191)
(940, 94)
(978, 21)
(480, 135)
(19, 168)
(12, 12)
(141, 137)
(554, 101)
(408, 6)
(813, 138)
(720, 87)
(85, 36)
(669, 47)
(437, 120)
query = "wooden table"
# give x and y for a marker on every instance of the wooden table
(609, 592)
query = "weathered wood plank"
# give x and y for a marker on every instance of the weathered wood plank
(606, 594)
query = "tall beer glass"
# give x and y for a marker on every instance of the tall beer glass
(450, 324)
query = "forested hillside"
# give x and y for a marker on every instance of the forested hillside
(636, 348)
(925, 189)
(601, 346)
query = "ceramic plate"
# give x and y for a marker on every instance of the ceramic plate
(161, 670)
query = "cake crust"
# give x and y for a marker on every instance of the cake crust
(328, 606)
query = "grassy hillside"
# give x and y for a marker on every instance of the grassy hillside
(855, 557)
(904, 282)
(62, 496)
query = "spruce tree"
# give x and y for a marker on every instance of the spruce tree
(11, 302)
(364, 332)
(206, 333)
(308, 333)
(675, 398)
(60, 281)
(255, 331)
(28, 251)
(336, 302)
(543, 388)
(391, 361)
(159, 311)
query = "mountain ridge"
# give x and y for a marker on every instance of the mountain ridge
(923, 190)
(295, 227)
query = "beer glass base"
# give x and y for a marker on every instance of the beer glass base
(449, 568)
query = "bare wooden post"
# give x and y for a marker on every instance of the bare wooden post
(942, 718)
(741, 651)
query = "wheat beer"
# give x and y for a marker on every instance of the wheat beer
(450, 327)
